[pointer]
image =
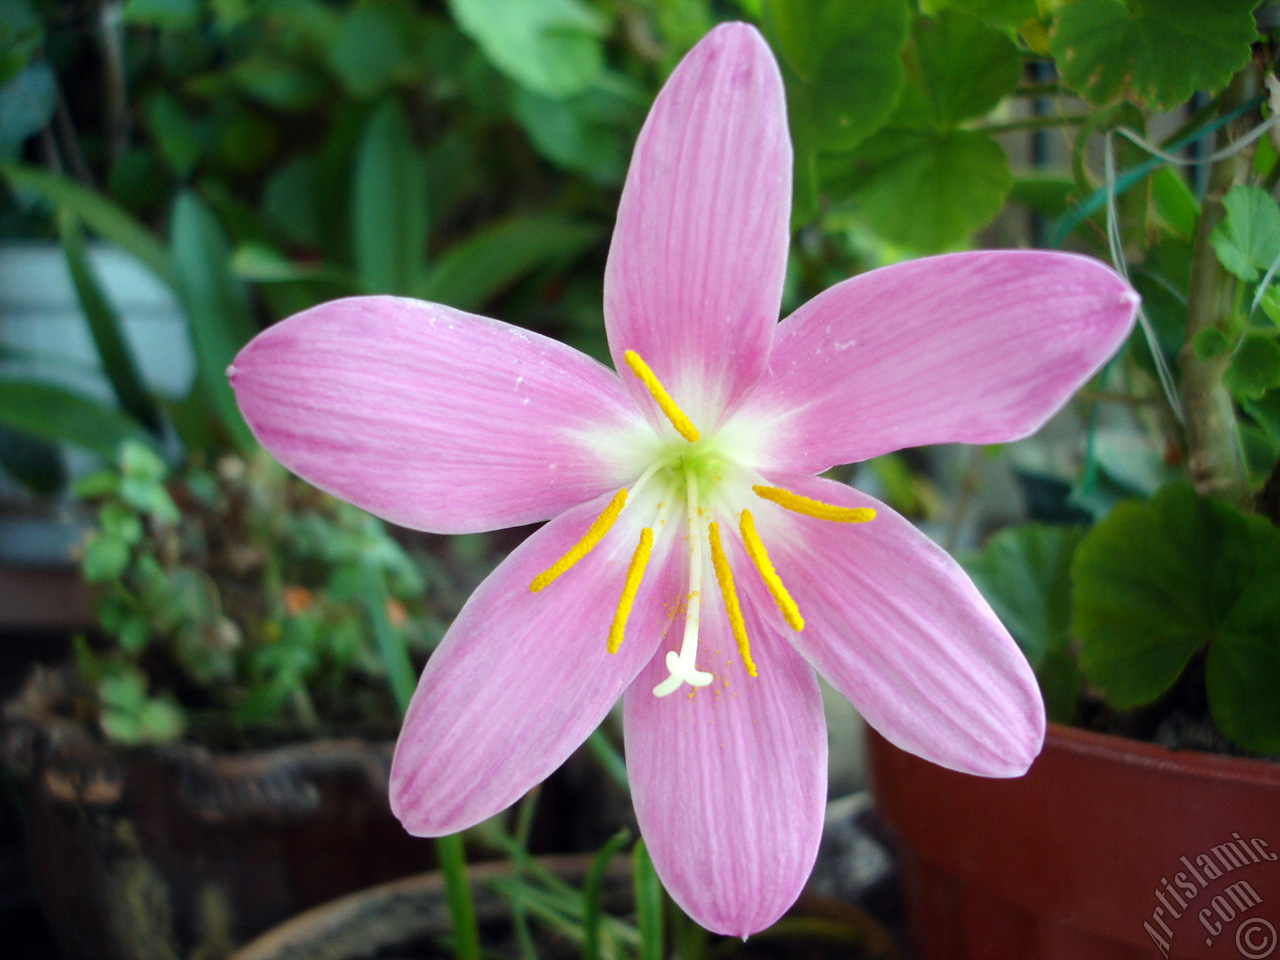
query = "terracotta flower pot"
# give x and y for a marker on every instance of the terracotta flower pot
(177, 851)
(1108, 849)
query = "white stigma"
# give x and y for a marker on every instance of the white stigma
(682, 666)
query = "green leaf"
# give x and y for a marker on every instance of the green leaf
(105, 327)
(1155, 52)
(1174, 202)
(59, 415)
(1247, 240)
(34, 463)
(589, 134)
(925, 190)
(1210, 343)
(21, 34)
(216, 305)
(1255, 367)
(264, 264)
(1025, 574)
(648, 896)
(389, 205)
(161, 721)
(166, 14)
(1006, 14)
(26, 104)
(183, 141)
(1243, 668)
(282, 85)
(492, 259)
(958, 68)
(842, 63)
(1266, 410)
(105, 558)
(1156, 582)
(553, 47)
(98, 213)
(371, 50)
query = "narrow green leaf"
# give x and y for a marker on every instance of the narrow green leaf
(649, 897)
(496, 256)
(216, 305)
(389, 205)
(105, 327)
(592, 886)
(261, 263)
(58, 415)
(98, 213)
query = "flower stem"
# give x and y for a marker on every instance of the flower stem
(457, 891)
(1214, 460)
(449, 850)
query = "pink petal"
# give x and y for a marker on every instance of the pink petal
(522, 678)
(729, 783)
(431, 417)
(896, 625)
(694, 278)
(976, 347)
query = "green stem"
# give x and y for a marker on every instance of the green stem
(449, 850)
(1029, 123)
(1214, 460)
(457, 890)
(519, 863)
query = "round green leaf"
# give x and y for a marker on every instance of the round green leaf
(1157, 581)
(1155, 52)
(842, 64)
(959, 68)
(1255, 367)
(1247, 239)
(923, 189)
(1025, 574)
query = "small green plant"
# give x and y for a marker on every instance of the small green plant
(236, 600)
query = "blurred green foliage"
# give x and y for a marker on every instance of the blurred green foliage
(261, 156)
(236, 598)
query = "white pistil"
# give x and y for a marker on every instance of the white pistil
(682, 665)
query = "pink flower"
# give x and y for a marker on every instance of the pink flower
(694, 563)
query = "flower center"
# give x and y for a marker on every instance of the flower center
(706, 481)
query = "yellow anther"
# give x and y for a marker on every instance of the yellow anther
(594, 533)
(755, 550)
(639, 560)
(814, 508)
(725, 576)
(684, 426)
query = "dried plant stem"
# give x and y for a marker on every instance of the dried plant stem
(1214, 459)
